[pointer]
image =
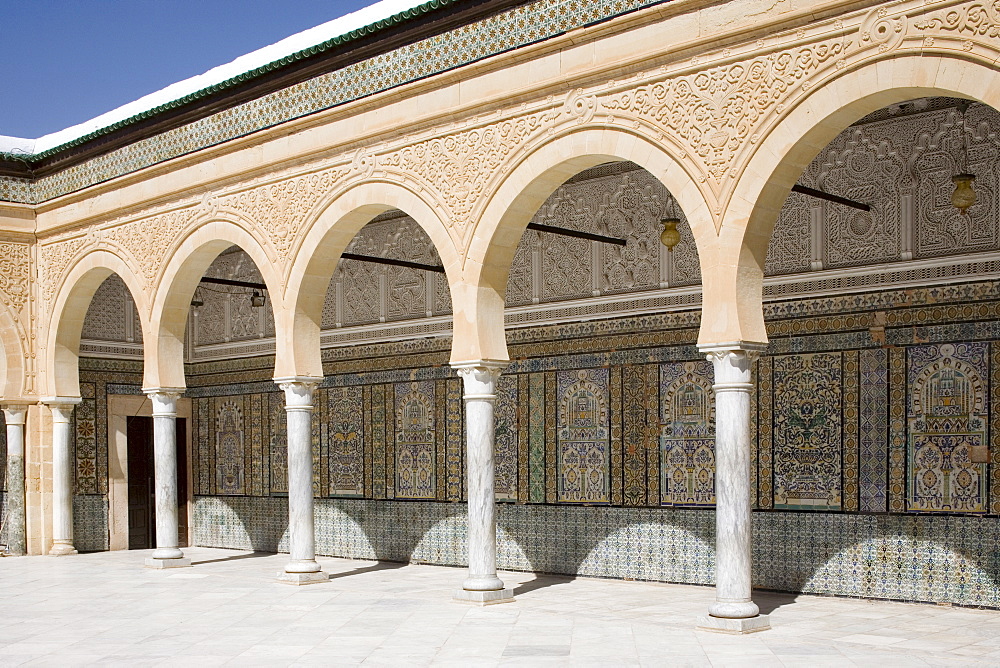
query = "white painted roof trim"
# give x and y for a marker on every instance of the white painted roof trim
(216, 75)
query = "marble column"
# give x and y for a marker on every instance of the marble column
(62, 475)
(14, 417)
(734, 610)
(167, 553)
(302, 567)
(482, 586)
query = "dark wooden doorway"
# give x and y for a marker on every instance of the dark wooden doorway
(141, 488)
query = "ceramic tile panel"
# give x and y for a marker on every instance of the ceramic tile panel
(687, 434)
(277, 443)
(536, 437)
(506, 447)
(634, 433)
(456, 440)
(808, 437)
(947, 418)
(583, 436)
(345, 437)
(85, 434)
(523, 446)
(415, 456)
(90, 522)
(230, 446)
(873, 418)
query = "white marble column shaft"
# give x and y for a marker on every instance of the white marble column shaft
(734, 543)
(302, 567)
(62, 475)
(14, 417)
(167, 553)
(482, 586)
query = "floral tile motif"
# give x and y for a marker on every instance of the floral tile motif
(415, 440)
(808, 439)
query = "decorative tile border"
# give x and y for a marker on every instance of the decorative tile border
(509, 30)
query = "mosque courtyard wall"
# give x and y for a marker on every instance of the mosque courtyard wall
(840, 500)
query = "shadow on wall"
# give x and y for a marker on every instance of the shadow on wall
(903, 557)
(913, 558)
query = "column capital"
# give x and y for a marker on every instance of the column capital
(480, 377)
(15, 413)
(61, 407)
(732, 363)
(298, 391)
(164, 400)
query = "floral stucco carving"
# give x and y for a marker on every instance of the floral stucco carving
(281, 209)
(714, 109)
(459, 166)
(15, 270)
(715, 112)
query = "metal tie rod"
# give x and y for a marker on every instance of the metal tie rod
(829, 197)
(538, 227)
(393, 263)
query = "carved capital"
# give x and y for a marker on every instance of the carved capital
(298, 391)
(480, 378)
(164, 400)
(732, 363)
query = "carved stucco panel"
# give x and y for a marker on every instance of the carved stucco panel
(15, 271)
(280, 209)
(717, 112)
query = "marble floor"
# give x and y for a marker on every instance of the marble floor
(105, 609)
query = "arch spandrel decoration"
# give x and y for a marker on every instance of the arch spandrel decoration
(714, 113)
(61, 327)
(17, 375)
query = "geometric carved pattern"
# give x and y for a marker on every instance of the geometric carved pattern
(583, 432)
(947, 420)
(807, 431)
(687, 434)
(415, 443)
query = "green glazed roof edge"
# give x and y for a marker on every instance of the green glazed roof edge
(382, 24)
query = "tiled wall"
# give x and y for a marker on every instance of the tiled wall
(867, 476)
(917, 558)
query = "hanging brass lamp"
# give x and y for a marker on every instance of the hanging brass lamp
(670, 237)
(964, 196)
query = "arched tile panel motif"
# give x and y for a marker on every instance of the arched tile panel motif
(947, 428)
(415, 451)
(583, 432)
(687, 434)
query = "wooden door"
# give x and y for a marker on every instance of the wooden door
(182, 483)
(141, 507)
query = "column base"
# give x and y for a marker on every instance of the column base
(734, 626)
(303, 578)
(153, 562)
(484, 597)
(62, 550)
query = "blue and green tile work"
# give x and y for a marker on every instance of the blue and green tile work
(869, 473)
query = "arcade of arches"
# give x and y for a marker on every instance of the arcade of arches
(509, 396)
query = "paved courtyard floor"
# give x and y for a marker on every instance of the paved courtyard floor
(105, 609)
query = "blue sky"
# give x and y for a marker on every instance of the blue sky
(68, 61)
